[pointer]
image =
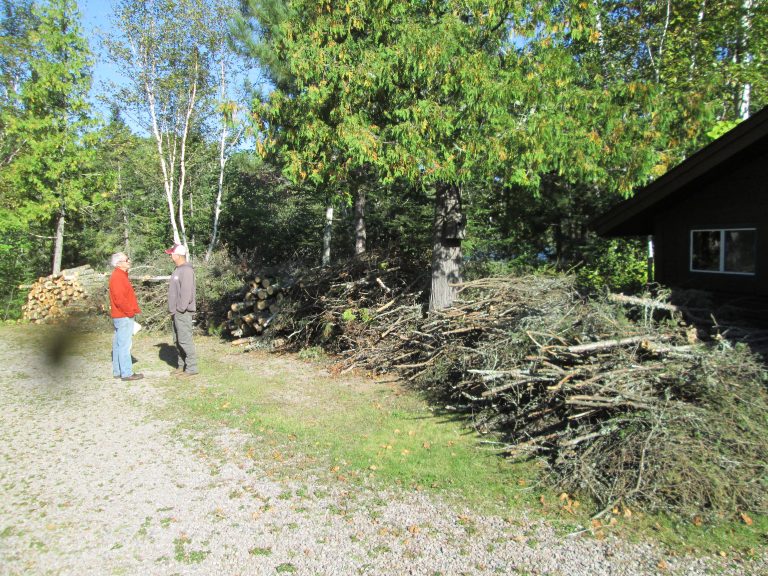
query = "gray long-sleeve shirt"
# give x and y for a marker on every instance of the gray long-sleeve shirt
(181, 289)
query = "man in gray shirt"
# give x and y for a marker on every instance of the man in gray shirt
(181, 305)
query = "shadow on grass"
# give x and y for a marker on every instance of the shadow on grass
(168, 354)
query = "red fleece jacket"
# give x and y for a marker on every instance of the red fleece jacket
(122, 298)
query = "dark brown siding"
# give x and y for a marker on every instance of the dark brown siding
(734, 196)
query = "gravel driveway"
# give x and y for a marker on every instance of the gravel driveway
(93, 482)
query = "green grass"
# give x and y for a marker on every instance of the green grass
(183, 554)
(359, 430)
(726, 537)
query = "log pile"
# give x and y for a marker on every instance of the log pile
(255, 309)
(56, 296)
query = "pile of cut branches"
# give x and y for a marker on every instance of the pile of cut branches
(340, 309)
(624, 404)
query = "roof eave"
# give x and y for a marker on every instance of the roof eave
(633, 212)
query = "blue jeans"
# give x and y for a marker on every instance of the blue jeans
(121, 347)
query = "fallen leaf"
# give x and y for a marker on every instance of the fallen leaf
(627, 512)
(697, 521)
(662, 565)
(426, 445)
(373, 467)
(747, 520)
(413, 529)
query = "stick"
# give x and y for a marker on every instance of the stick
(645, 302)
(608, 344)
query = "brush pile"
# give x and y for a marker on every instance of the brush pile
(56, 296)
(623, 400)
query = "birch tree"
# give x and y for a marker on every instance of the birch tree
(230, 127)
(163, 50)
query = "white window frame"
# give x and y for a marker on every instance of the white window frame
(721, 269)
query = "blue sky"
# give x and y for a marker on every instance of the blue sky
(95, 16)
(95, 19)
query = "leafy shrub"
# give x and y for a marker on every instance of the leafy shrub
(619, 265)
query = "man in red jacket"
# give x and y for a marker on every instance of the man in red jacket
(124, 307)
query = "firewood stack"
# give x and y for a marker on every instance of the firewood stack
(56, 296)
(251, 315)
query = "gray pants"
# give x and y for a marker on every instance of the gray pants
(182, 337)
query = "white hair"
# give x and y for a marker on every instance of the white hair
(117, 257)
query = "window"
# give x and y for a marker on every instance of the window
(725, 251)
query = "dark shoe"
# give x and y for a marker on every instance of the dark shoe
(115, 375)
(188, 374)
(132, 377)
(177, 371)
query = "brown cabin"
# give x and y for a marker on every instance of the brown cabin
(708, 216)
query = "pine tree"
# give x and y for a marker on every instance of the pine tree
(47, 118)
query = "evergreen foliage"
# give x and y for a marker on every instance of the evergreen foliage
(530, 118)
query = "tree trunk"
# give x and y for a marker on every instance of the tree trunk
(360, 231)
(448, 228)
(327, 235)
(601, 42)
(222, 165)
(183, 156)
(746, 35)
(123, 210)
(58, 243)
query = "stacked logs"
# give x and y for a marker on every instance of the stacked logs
(53, 297)
(252, 314)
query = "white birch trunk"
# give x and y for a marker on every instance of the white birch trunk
(746, 35)
(223, 157)
(360, 230)
(601, 42)
(183, 151)
(146, 70)
(327, 231)
(58, 243)
(123, 209)
(699, 31)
